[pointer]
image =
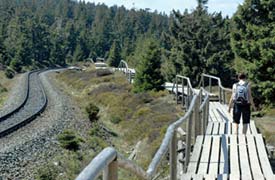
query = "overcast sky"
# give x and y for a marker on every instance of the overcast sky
(228, 7)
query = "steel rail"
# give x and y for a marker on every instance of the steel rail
(31, 117)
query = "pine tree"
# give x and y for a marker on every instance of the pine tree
(148, 72)
(254, 45)
(200, 44)
(3, 53)
(114, 55)
(29, 31)
(58, 50)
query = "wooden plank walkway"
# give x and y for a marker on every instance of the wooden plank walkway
(223, 154)
(169, 86)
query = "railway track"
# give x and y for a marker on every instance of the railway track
(35, 101)
(22, 102)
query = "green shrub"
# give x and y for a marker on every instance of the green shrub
(48, 172)
(96, 130)
(97, 143)
(103, 72)
(69, 140)
(3, 89)
(92, 111)
(115, 119)
(158, 94)
(142, 112)
(9, 73)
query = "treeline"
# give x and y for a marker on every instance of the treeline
(39, 33)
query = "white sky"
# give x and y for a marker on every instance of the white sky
(228, 7)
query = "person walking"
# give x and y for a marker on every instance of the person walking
(242, 100)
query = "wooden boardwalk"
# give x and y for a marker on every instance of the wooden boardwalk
(219, 152)
(223, 154)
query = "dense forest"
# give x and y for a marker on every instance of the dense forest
(37, 33)
(47, 33)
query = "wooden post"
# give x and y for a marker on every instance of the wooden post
(203, 81)
(220, 94)
(197, 118)
(224, 99)
(110, 173)
(182, 86)
(130, 77)
(207, 112)
(204, 120)
(188, 142)
(188, 96)
(173, 157)
(177, 89)
(210, 85)
(200, 96)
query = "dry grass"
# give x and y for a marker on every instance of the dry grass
(5, 86)
(266, 126)
(142, 117)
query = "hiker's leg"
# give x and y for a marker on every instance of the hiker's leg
(236, 129)
(245, 127)
(236, 117)
(246, 118)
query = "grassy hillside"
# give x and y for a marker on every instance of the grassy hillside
(5, 86)
(266, 126)
(124, 118)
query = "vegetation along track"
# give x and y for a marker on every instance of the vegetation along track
(21, 103)
(34, 103)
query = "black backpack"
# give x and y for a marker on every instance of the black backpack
(241, 95)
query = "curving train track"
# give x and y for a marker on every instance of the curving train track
(34, 102)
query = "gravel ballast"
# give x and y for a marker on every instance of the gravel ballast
(16, 95)
(33, 145)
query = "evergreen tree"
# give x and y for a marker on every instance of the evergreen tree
(37, 33)
(16, 64)
(148, 72)
(3, 53)
(41, 43)
(72, 35)
(114, 55)
(58, 50)
(200, 44)
(254, 45)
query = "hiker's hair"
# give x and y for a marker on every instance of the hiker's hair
(242, 76)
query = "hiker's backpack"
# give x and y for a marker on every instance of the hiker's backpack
(241, 95)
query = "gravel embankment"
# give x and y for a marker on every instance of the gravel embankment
(16, 95)
(34, 103)
(34, 144)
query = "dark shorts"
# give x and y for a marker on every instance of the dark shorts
(241, 110)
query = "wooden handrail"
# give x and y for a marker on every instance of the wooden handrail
(219, 81)
(123, 66)
(110, 159)
(222, 89)
(190, 91)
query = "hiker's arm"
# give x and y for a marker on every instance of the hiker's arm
(251, 98)
(230, 103)
(231, 98)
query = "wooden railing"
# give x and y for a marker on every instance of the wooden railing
(222, 90)
(108, 160)
(123, 67)
(182, 81)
